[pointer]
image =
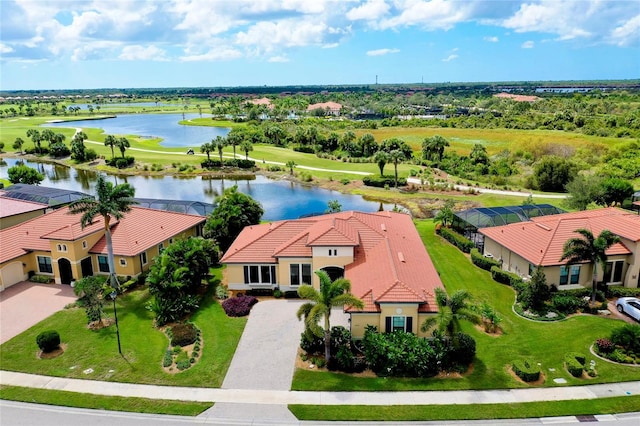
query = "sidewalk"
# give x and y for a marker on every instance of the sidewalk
(273, 397)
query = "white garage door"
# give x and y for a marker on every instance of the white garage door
(11, 274)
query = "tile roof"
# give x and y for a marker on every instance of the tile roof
(324, 105)
(541, 240)
(391, 264)
(11, 206)
(138, 230)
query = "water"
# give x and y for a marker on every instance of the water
(163, 126)
(280, 199)
(114, 105)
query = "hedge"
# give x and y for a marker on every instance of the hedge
(506, 277)
(383, 181)
(464, 244)
(575, 363)
(48, 340)
(481, 261)
(234, 162)
(527, 370)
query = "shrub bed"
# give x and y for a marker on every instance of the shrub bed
(48, 340)
(506, 277)
(121, 163)
(481, 261)
(383, 181)
(574, 362)
(239, 306)
(527, 370)
(464, 244)
(183, 334)
(623, 346)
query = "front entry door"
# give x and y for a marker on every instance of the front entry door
(87, 267)
(65, 271)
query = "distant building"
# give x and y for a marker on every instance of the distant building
(331, 108)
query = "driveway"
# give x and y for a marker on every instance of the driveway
(25, 304)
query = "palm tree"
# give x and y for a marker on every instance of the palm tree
(206, 148)
(291, 164)
(234, 138)
(382, 158)
(35, 137)
(219, 143)
(112, 202)
(396, 156)
(122, 144)
(110, 141)
(246, 146)
(332, 293)
(586, 248)
(450, 312)
(18, 144)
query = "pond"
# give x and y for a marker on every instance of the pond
(280, 199)
(163, 126)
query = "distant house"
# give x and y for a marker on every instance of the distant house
(520, 247)
(262, 101)
(13, 211)
(380, 253)
(55, 244)
(331, 108)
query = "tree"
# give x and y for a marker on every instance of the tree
(206, 148)
(90, 295)
(381, 158)
(122, 143)
(584, 190)
(110, 141)
(112, 202)
(433, 147)
(291, 165)
(246, 146)
(334, 206)
(616, 190)
(552, 173)
(77, 146)
(18, 144)
(450, 312)
(35, 138)
(445, 215)
(24, 174)
(234, 210)
(586, 248)
(537, 292)
(368, 145)
(332, 293)
(219, 143)
(234, 138)
(478, 154)
(396, 156)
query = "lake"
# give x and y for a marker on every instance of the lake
(281, 199)
(163, 126)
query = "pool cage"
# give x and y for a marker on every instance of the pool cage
(468, 222)
(53, 197)
(179, 206)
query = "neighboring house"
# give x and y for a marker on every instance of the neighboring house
(381, 254)
(55, 244)
(262, 101)
(520, 247)
(13, 212)
(332, 108)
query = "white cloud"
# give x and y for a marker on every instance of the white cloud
(528, 44)
(370, 11)
(279, 58)
(430, 15)
(140, 53)
(380, 52)
(216, 54)
(628, 33)
(450, 58)
(492, 39)
(5, 49)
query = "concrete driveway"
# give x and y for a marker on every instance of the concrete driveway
(25, 304)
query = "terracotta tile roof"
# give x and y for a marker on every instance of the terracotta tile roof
(390, 263)
(541, 240)
(334, 106)
(11, 206)
(138, 230)
(517, 98)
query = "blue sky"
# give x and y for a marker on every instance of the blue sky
(77, 44)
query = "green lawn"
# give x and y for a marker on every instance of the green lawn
(546, 343)
(622, 404)
(143, 346)
(100, 402)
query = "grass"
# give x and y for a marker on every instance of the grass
(143, 346)
(546, 343)
(112, 403)
(613, 405)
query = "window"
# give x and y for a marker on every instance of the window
(84, 244)
(62, 247)
(398, 323)
(613, 272)
(160, 248)
(300, 273)
(260, 274)
(170, 240)
(123, 261)
(531, 269)
(564, 275)
(143, 258)
(333, 252)
(44, 264)
(575, 274)
(103, 264)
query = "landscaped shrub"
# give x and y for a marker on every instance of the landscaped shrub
(304, 149)
(506, 277)
(211, 164)
(575, 363)
(311, 344)
(168, 358)
(40, 279)
(464, 244)
(628, 337)
(567, 303)
(183, 334)
(48, 340)
(240, 163)
(604, 346)
(239, 306)
(383, 181)
(481, 261)
(619, 291)
(527, 370)
(464, 350)
(121, 163)
(182, 361)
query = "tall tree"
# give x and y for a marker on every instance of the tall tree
(219, 143)
(111, 202)
(451, 310)
(122, 144)
(381, 158)
(246, 146)
(616, 190)
(35, 138)
(206, 148)
(291, 165)
(18, 144)
(111, 141)
(446, 214)
(332, 293)
(396, 157)
(584, 190)
(235, 138)
(587, 248)
(24, 174)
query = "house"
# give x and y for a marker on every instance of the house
(13, 212)
(520, 247)
(331, 108)
(381, 254)
(56, 245)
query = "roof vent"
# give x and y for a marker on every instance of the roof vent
(543, 226)
(401, 257)
(383, 227)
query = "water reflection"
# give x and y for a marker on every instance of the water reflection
(280, 199)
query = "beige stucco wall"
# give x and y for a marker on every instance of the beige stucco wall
(359, 321)
(6, 222)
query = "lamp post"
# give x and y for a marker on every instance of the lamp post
(113, 295)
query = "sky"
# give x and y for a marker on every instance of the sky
(78, 44)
